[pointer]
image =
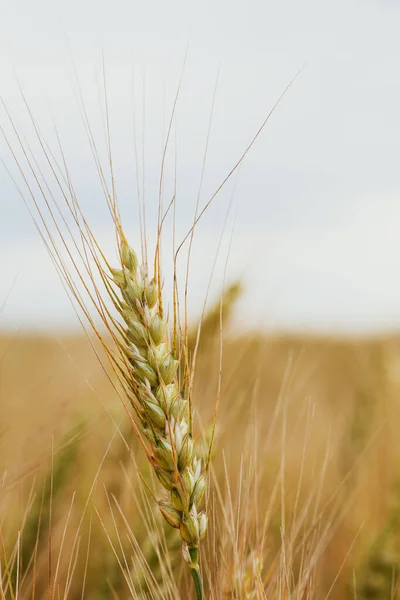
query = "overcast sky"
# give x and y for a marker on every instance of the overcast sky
(316, 204)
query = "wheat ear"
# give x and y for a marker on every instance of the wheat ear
(163, 413)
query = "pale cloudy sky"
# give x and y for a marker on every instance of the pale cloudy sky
(316, 204)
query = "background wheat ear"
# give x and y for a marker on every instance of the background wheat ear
(149, 372)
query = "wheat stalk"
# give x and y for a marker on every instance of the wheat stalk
(152, 384)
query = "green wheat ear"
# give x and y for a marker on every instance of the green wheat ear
(211, 321)
(152, 383)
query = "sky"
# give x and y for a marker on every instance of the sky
(309, 222)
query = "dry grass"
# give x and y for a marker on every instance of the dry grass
(303, 489)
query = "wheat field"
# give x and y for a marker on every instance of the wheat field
(304, 494)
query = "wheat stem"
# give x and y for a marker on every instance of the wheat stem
(195, 570)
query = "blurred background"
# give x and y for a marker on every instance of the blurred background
(301, 246)
(315, 203)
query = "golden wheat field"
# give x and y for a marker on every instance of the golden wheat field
(304, 492)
